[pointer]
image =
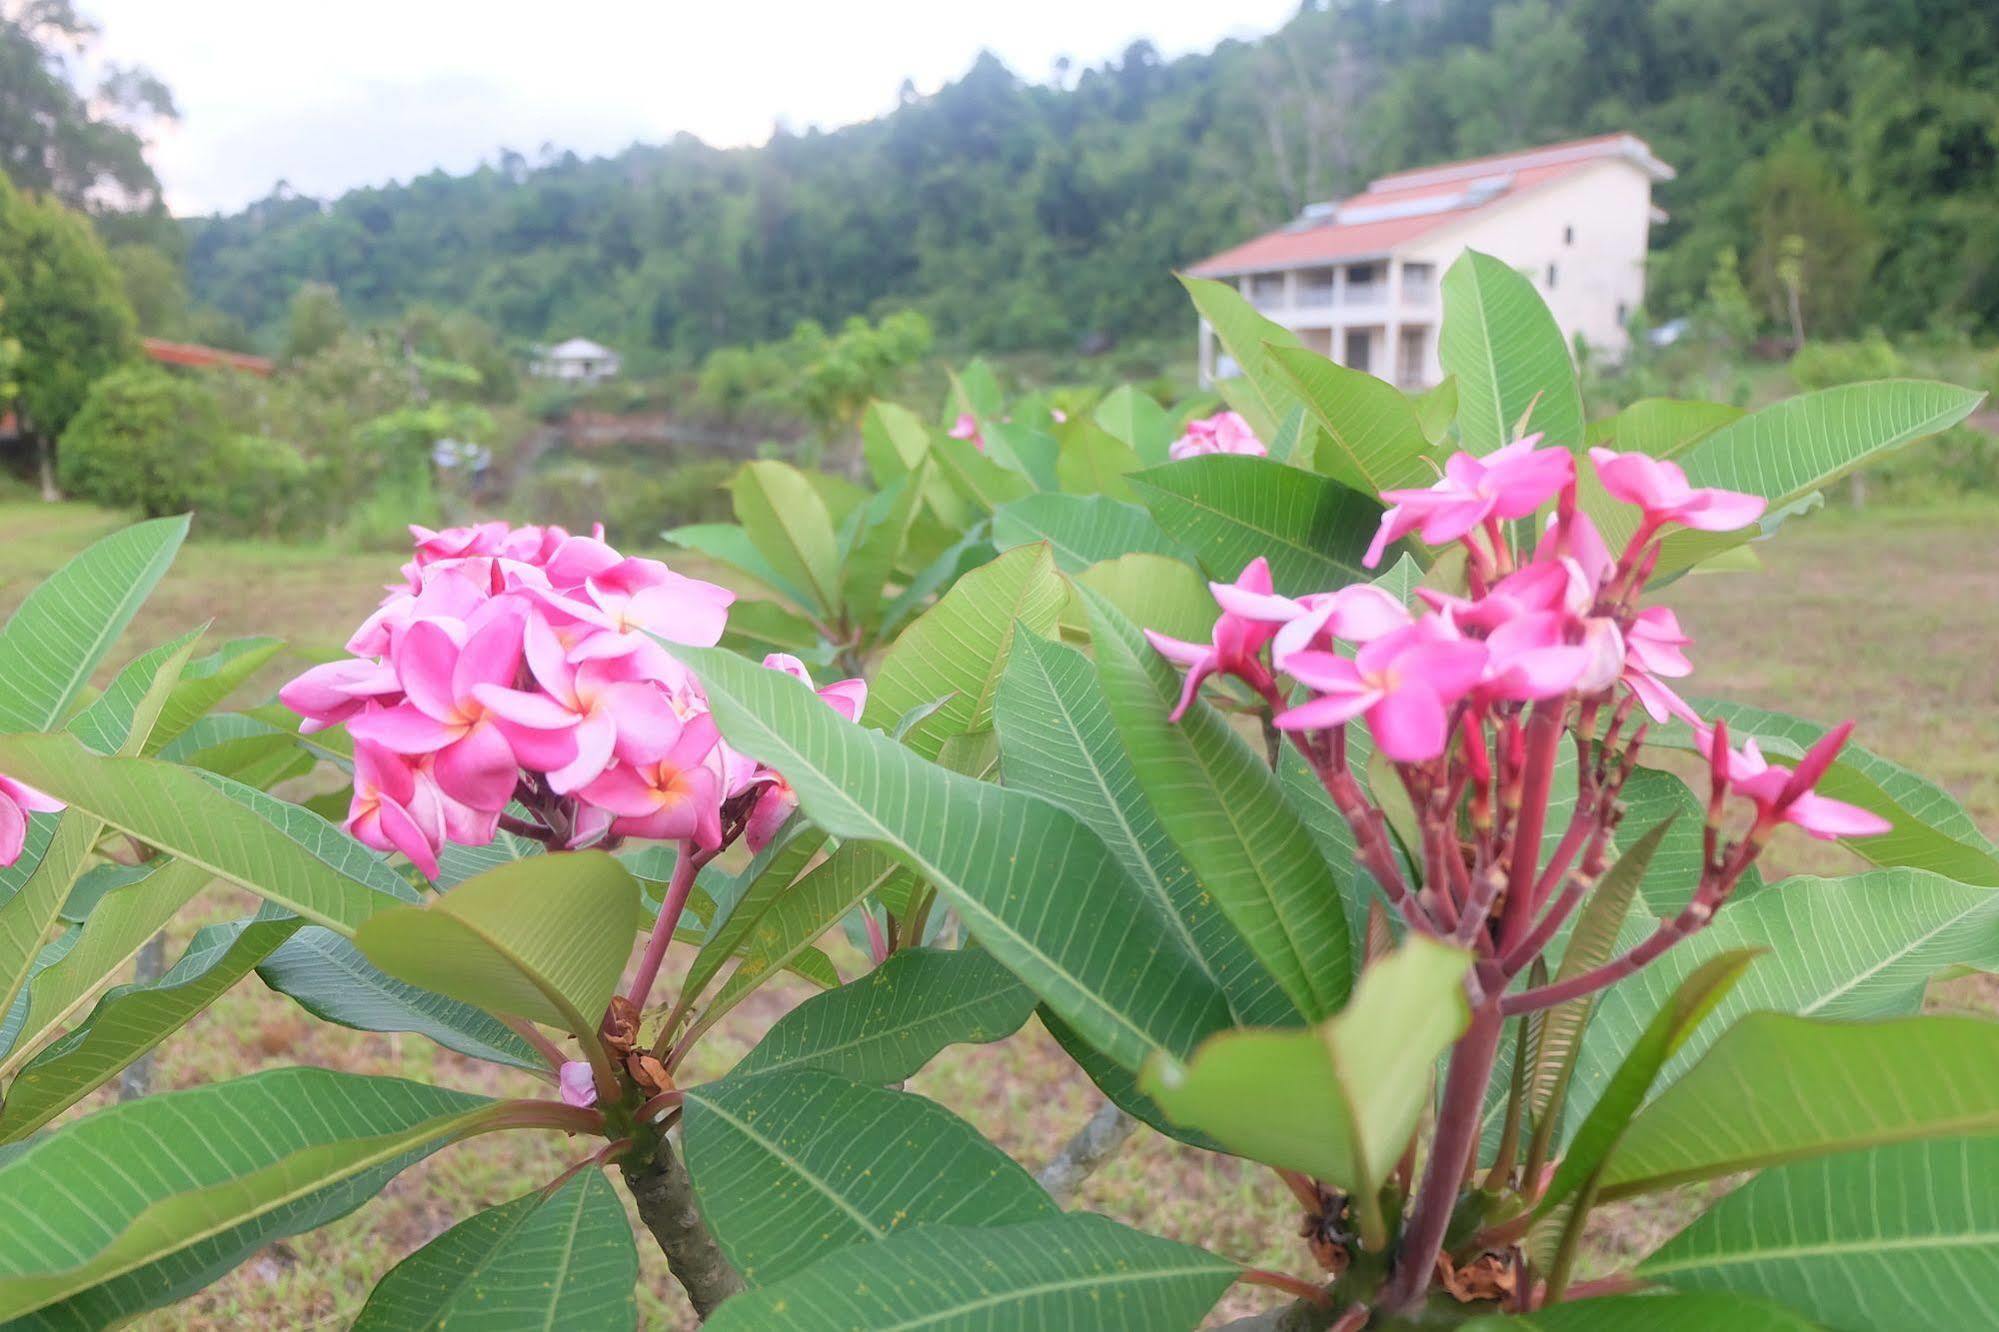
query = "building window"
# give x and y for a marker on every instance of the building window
(1568, 235)
(1363, 284)
(1419, 283)
(1623, 314)
(1412, 367)
(1551, 277)
(1315, 287)
(1266, 290)
(1359, 343)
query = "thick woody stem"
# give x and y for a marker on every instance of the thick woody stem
(1091, 1145)
(1544, 736)
(1458, 1123)
(664, 1194)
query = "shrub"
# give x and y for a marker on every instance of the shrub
(635, 502)
(147, 440)
(1819, 365)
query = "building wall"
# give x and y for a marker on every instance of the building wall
(1600, 271)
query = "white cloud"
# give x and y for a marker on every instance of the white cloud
(329, 97)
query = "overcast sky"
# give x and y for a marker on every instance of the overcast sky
(329, 96)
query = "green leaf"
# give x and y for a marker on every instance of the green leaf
(1708, 1312)
(76, 965)
(545, 939)
(1156, 591)
(1021, 449)
(1035, 887)
(1136, 419)
(208, 681)
(789, 523)
(888, 1024)
(1094, 462)
(1082, 530)
(1506, 352)
(1225, 809)
(132, 1019)
(107, 725)
(1231, 509)
(795, 920)
(1662, 427)
(326, 975)
(793, 1165)
(1078, 1271)
(1436, 408)
(27, 917)
(73, 1213)
(551, 1259)
(1689, 1005)
(1850, 1239)
(1340, 1101)
(1865, 946)
(768, 875)
(958, 647)
(1265, 395)
(760, 627)
(976, 389)
(1792, 448)
(883, 535)
(983, 483)
(1371, 439)
(1931, 830)
(1590, 945)
(56, 639)
(181, 813)
(733, 546)
(1776, 1088)
(1058, 740)
(457, 863)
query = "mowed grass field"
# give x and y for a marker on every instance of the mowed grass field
(1889, 616)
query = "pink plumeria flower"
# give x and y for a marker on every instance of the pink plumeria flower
(1224, 432)
(438, 593)
(639, 595)
(578, 1084)
(442, 664)
(1530, 657)
(330, 694)
(673, 797)
(392, 811)
(1653, 654)
(1403, 684)
(1509, 482)
(775, 802)
(967, 427)
(585, 715)
(1235, 641)
(1536, 589)
(1785, 795)
(1661, 489)
(18, 800)
(1358, 613)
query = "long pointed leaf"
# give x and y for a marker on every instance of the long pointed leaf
(1230, 509)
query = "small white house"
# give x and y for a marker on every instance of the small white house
(578, 360)
(1357, 280)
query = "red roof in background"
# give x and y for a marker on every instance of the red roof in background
(194, 354)
(1365, 235)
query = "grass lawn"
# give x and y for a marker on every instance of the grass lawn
(1889, 616)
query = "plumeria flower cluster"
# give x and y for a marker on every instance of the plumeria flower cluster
(1224, 432)
(515, 679)
(1470, 695)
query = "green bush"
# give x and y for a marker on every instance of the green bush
(1821, 365)
(268, 489)
(148, 440)
(635, 502)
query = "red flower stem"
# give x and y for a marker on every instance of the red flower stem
(1459, 1119)
(532, 1034)
(604, 1155)
(1544, 735)
(1290, 1285)
(1369, 829)
(685, 866)
(1303, 1189)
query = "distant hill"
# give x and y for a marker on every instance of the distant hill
(1019, 215)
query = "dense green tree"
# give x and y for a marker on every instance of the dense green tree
(63, 302)
(316, 322)
(1018, 215)
(56, 137)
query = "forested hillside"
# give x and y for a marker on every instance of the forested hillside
(1018, 214)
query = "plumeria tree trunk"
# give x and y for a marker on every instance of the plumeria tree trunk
(664, 1194)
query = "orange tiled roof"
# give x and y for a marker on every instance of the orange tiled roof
(194, 354)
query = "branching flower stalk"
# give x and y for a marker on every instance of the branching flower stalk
(1475, 700)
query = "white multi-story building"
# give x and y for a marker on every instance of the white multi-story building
(1357, 280)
